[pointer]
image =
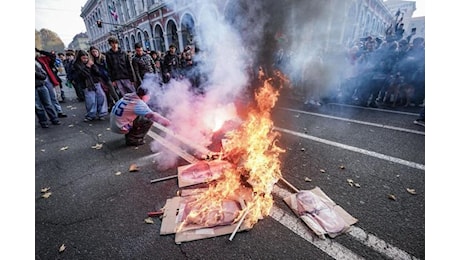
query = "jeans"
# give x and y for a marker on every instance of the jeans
(53, 96)
(125, 86)
(44, 109)
(95, 102)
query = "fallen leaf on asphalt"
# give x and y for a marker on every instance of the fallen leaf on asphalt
(350, 182)
(133, 168)
(99, 135)
(342, 167)
(64, 148)
(302, 149)
(43, 150)
(70, 125)
(108, 129)
(62, 248)
(148, 220)
(97, 146)
(322, 170)
(357, 185)
(307, 179)
(411, 191)
(391, 196)
(43, 190)
(118, 173)
(46, 195)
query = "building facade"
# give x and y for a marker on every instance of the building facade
(411, 24)
(158, 23)
(150, 22)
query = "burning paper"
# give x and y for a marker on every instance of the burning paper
(201, 172)
(246, 173)
(253, 151)
(179, 217)
(217, 214)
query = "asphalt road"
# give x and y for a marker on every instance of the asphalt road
(97, 207)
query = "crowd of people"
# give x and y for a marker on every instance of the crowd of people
(108, 83)
(386, 72)
(372, 72)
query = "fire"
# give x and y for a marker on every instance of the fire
(253, 151)
(218, 116)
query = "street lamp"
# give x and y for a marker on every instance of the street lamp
(118, 26)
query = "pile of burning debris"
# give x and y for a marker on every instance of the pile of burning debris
(237, 183)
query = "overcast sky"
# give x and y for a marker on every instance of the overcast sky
(61, 17)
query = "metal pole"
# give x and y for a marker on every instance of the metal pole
(163, 179)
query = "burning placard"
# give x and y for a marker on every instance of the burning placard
(185, 217)
(201, 172)
(220, 213)
(245, 175)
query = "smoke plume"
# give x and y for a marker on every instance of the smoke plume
(291, 36)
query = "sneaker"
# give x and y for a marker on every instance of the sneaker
(44, 125)
(57, 122)
(62, 115)
(88, 119)
(101, 118)
(420, 122)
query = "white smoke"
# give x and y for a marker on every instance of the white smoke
(232, 44)
(221, 60)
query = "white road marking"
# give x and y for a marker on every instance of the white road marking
(376, 109)
(355, 149)
(379, 245)
(357, 121)
(330, 247)
(333, 249)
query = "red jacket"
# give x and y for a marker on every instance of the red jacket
(45, 61)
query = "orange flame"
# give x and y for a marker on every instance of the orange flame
(253, 151)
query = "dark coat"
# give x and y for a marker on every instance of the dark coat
(119, 65)
(86, 76)
(40, 75)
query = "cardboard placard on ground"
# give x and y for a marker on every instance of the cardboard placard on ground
(168, 222)
(333, 214)
(173, 210)
(201, 172)
(203, 233)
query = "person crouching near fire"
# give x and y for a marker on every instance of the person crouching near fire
(132, 117)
